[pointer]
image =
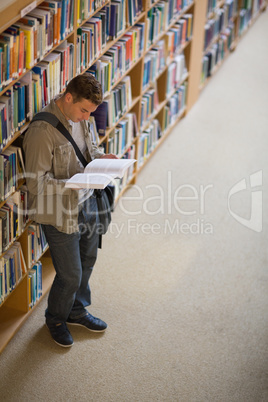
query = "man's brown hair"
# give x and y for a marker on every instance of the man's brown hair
(85, 86)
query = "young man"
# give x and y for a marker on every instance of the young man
(68, 216)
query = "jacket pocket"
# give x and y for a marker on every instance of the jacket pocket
(62, 160)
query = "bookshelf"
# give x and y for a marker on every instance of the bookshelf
(176, 47)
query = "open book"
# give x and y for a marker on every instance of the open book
(99, 173)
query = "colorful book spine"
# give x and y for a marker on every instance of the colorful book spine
(12, 269)
(148, 141)
(149, 106)
(37, 243)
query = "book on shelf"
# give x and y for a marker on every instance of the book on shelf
(28, 32)
(6, 121)
(4, 232)
(12, 269)
(55, 9)
(8, 165)
(116, 143)
(11, 225)
(8, 38)
(12, 170)
(99, 173)
(35, 283)
(37, 243)
(54, 61)
(5, 46)
(134, 10)
(149, 105)
(15, 204)
(148, 140)
(117, 21)
(93, 130)
(101, 118)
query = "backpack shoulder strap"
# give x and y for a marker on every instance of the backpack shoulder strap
(46, 116)
(54, 121)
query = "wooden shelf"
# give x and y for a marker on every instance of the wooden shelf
(15, 309)
(11, 321)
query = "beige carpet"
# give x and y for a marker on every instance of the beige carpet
(183, 286)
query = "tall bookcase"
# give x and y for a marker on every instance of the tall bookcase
(166, 78)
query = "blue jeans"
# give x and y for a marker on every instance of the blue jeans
(73, 256)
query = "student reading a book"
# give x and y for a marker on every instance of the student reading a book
(68, 216)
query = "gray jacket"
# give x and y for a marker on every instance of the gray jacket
(50, 160)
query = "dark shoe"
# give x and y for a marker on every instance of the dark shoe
(61, 334)
(88, 321)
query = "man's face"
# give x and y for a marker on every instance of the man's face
(78, 111)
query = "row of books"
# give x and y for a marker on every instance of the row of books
(23, 45)
(246, 4)
(176, 5)
(11, 171)
(85, 8)
(92, 36)
(13, 218)
(12, 269)
(119, 100)
(35, 285)
(15, 109)
(175, 8)
(35, 90)
(85, 47)
(222, 19)
(211, 6)
(158, 21)
(149, 105)
(216, 53)
(134, 8)
(177, 71)
(119, 58)
(122, 136)
(154, 63)
(165, 50)
(103, 70)
(148, 141)
(232, 6)
(114, 106)
(245, 16)
(174, 107)
(27, 41)
(178, 35)
(56, 70)
(36, 242)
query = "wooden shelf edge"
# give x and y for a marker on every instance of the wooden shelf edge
(12, 319)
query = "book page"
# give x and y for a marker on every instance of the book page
(89, 180)
(115, 167)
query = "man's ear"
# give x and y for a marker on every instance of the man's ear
(68, 97)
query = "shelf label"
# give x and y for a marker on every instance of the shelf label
(27, 9)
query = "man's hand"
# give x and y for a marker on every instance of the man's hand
(109, 156)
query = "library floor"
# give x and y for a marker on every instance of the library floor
(182, 282)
